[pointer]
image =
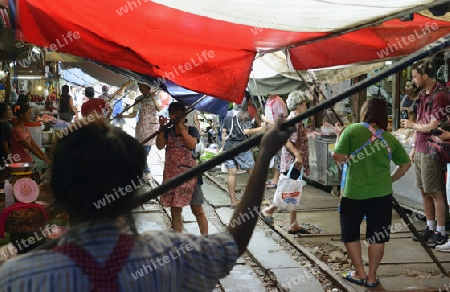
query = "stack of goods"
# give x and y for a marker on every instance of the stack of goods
(35, 98)
(404, 135)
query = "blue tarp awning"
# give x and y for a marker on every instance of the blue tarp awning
(78, 77)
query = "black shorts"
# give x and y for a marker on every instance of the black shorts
(378, 212)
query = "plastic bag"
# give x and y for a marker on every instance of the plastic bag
(288, 193)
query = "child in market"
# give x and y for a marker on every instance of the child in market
(412, 116)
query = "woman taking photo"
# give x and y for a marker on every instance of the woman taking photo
(179, 141)
(368, 186)
(21, 141)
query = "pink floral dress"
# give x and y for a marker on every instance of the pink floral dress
(178, 160)
(300, 141)
(147, 123)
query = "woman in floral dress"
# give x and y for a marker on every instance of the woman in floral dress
(148, 107)
(294, 151)
(179, 141)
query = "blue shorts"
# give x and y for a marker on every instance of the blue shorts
(243, 160)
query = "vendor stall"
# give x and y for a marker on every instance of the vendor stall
(405, 190)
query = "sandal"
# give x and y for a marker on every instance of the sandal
(372, 285)
(271, 186)
(268, 182)
(266, 219)
(299, 231)
(348, 276)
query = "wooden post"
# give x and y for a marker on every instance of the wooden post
(313, 117)
(396, 101)
(8, 88)
(358, 100)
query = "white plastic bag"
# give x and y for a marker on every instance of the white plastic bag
(223, 168)
(272, 162)
(288, 193)
(199, 149)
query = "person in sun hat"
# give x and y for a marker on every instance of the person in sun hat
(294, 151)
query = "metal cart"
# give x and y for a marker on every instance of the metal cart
(322, 167)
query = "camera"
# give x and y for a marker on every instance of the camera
(443, 125)
(404, 114)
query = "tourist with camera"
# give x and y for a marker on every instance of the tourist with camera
(432, 102)
(443, 133)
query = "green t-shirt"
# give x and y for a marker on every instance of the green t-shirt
(368, 173)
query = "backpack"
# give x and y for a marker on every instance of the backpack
(436, 148)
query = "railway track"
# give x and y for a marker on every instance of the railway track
(405, 266)
(318, 269)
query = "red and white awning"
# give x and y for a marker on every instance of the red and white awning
(209, 46)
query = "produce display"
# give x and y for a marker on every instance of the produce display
(404, 135)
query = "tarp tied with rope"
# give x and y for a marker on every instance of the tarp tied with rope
(209, 46)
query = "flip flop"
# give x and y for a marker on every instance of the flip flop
(268, 182)
(266, 219)
(271, 186)
(348, 276)
(299, 231)
(372, 285)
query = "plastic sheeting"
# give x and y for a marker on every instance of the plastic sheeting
(209, 46)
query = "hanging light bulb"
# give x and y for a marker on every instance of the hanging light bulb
(39, 88)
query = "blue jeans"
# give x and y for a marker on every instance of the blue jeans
(147, 151)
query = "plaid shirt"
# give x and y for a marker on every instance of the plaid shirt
(159, 261)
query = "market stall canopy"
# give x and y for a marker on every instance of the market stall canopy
(199, 101)
(209, 46)
(273, 73)
(78, 77)
(100, 73)
(391, 39)
(85, 73)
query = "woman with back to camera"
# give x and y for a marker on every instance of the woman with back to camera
(66, 107)
(102, 251)
(368, 186)
(21, 141)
